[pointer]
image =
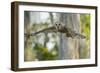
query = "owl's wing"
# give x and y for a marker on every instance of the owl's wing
(79, 35)
(49, 29)
(73, 34)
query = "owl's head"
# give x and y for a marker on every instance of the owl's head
(58, 26)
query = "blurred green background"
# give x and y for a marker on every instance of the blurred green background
(45, 46)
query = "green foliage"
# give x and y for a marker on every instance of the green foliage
(85, 28)
(85, 24)
(40, 50)
(43, 53)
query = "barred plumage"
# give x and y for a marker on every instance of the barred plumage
(69, 32)
(58, 28)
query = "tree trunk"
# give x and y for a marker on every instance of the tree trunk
(28, 52)
(69, 47)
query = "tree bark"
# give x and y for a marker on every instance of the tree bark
(69, 47)
(28, 52)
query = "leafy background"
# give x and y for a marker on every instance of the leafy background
(44, 46)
